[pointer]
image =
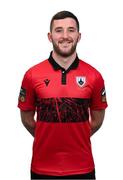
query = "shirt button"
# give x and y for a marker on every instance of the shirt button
(63, 72)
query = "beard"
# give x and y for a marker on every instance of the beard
(64, 53)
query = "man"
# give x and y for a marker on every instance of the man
(69, 98)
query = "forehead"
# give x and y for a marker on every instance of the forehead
(66, 22)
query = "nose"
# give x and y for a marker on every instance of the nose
(65, 34)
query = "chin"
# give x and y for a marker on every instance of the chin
(66, 54)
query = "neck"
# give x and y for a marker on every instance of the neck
(64, 62)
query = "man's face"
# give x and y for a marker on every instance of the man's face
(64, 36)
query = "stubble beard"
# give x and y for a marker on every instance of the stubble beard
(63, 53)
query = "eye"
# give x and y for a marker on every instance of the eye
(71, 29)
(58, 30)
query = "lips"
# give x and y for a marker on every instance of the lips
(65, 41)
(65, 44)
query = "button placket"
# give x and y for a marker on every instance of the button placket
(63, 77)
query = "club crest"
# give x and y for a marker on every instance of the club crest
(81, 80)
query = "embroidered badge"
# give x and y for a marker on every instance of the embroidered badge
(22, 96)
(81, 80)
(103, 95)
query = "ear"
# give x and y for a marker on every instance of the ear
(49, 35)
(79, 37)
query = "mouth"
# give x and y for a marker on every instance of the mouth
(65, 44)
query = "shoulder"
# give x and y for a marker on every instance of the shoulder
(37, 69)
(38, 66)
(88, 67)
(90, 70)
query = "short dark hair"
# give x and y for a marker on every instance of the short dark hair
(63, 15)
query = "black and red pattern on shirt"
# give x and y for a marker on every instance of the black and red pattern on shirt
(62, 99)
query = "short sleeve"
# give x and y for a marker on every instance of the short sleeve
(26, 100)
(98, 99)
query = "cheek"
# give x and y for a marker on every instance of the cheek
(76, 39)
(55, 38)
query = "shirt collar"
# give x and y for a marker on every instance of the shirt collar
(56, 66)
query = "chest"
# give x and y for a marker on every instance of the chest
(72, 84)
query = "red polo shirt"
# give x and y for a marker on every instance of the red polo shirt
(62, 99)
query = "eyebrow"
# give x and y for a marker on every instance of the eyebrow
(60, 27)
(71, 27)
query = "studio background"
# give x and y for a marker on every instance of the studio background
(24, 25)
